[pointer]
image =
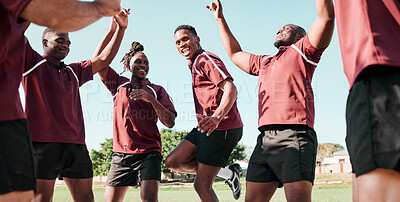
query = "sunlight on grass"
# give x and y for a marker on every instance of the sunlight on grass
(331, 187)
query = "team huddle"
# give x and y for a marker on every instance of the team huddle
(46, 141)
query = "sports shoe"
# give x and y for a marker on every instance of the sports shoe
(234, 181)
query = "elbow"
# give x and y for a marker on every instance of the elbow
(233, 91)
(330, 18)
(53, 23)
(170, 123)
(170, 120)
(101, 61)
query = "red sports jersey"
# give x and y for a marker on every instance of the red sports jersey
(285, 95)
(11, 58)
(135, 121)
(369, 34)
(208, 71)
(52, 100)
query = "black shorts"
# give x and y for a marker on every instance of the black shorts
(62, 159)
(373, 120)
(126, 169)
(214, 150)
(16, 157)
(284, 154)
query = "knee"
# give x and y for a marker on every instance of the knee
(149, 197)
(201, 187)
(88, 197)
(170, 162)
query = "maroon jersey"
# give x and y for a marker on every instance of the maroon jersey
(285, 95)
(135, 121)
(369, 34)
(11, 58)
(52, 100)
(208, 71)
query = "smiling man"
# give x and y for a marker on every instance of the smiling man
(206, 149)
(53, 109)
(286, 149)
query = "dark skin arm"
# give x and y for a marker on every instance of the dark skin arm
(109, 46)
(68, 15)
(210, 123)
(320, 33)
(232, 47)
(166, 117)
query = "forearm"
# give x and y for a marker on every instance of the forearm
(228, 99)
(230, 43)
(107, 55)
(232, 46)
(325, 10)
(166, 117)
(320, 33)
(64, 15)
(107, 38)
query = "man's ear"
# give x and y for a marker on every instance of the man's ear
(197, 39)
(44, 42)
(299, 36)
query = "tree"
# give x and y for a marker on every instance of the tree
(327, 150)
(101, 159)
(170, 139)
(238, 153)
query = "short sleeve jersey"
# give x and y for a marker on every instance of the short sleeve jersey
(285, 94)
(135, 121)
(53, 104)
(11, 58)
(208, 71)
(369, 33)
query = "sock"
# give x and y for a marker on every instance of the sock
(225, 173)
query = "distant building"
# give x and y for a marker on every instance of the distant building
(339, 163)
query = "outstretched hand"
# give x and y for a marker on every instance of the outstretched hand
(122, 18)
(216, 8)
(207, 123)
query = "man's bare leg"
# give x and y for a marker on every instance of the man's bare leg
(44, 190)
(378, 185)
(115, 194)
(203, 182)
(260, 192)
(183, 158)
(23, 196)
(81, 189)
(299, 191)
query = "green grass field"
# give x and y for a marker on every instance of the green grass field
(328, 187)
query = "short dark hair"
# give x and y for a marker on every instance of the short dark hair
(186, 27)
(49, 30)
(135, 48)
(300, 30)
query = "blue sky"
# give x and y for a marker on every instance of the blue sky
(254, 24)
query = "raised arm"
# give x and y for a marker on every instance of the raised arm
(320, 33)
(108, 48)
(68, 15)
(231, 45)
(210, 123)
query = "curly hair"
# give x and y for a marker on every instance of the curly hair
(135, 48)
